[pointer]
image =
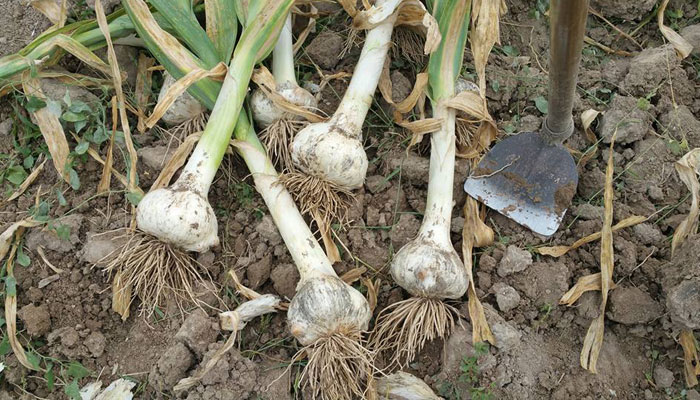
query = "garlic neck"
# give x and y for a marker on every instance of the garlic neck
(308, 256)
(438, 209)
(195, 175)
(358, 97)
(283, 55)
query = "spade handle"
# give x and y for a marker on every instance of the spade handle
(568, 25)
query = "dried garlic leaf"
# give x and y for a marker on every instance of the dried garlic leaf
(587, 118)
(121, 296)
(266, 82)
(691, 368)
(682, 46)
(475, 232)
(583, 284)
(51, 10)
(353, 275)
(176, 161)
(142, 91)
(484, 34)
(50, 127)
(179, 87)
(117, 78)
(106, 178)
(558, 251)
(594, 337)
(688, 169)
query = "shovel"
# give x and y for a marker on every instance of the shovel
(530, 177)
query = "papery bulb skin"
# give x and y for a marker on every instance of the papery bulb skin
(180, 217)
(330, 152)
(265, 111)
(185, 107)
(426, 268)
(325, 305)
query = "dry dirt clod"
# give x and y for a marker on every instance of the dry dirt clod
(648, 69)
(692, 35)
(682, 124)
(514, 260)
(588, 212)
(692, 394)
(171, 367)
(259, 272)
(663, 378)
(197, 332)
(627, 118)
(507, 337)
(155, 157)
(96, 343)
(648, 234)
(325, 49)
(284, 280)
(49, 238)
(267, 229)
(36, 320)
(507, 298)
(630, 305)
(629, 10)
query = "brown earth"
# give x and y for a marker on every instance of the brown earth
(539, 341)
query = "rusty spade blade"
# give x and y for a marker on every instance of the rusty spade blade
(530, 177)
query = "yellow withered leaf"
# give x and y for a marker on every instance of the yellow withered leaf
(55, 12)
(266, 82)
(587, 118)
(117, 79)
(593, 342)
(142, 91)
(179, 87)
(421, 127)
(583, 284)
(682, 46)
(688, 168)
(50, 127)
(484, 34)
(691, 368)
(106, 178)
(475, 233)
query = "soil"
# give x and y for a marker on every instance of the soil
(67, 317)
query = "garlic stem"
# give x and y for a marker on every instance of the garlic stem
(307, 254)
(359, 94)
(283, 55)
(438, 208)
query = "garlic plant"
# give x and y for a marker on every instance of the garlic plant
(327, 316)
(178, 219)
(278, 125)
(332, 151)
(428, 267)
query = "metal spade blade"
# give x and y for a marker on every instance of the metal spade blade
(527, 180)
(530, 177)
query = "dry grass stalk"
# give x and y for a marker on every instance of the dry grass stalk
(403, 328)
(593, 341)
(558, 251)
(475, 233)
(336, 367)
(156, 272)
(117, 79)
